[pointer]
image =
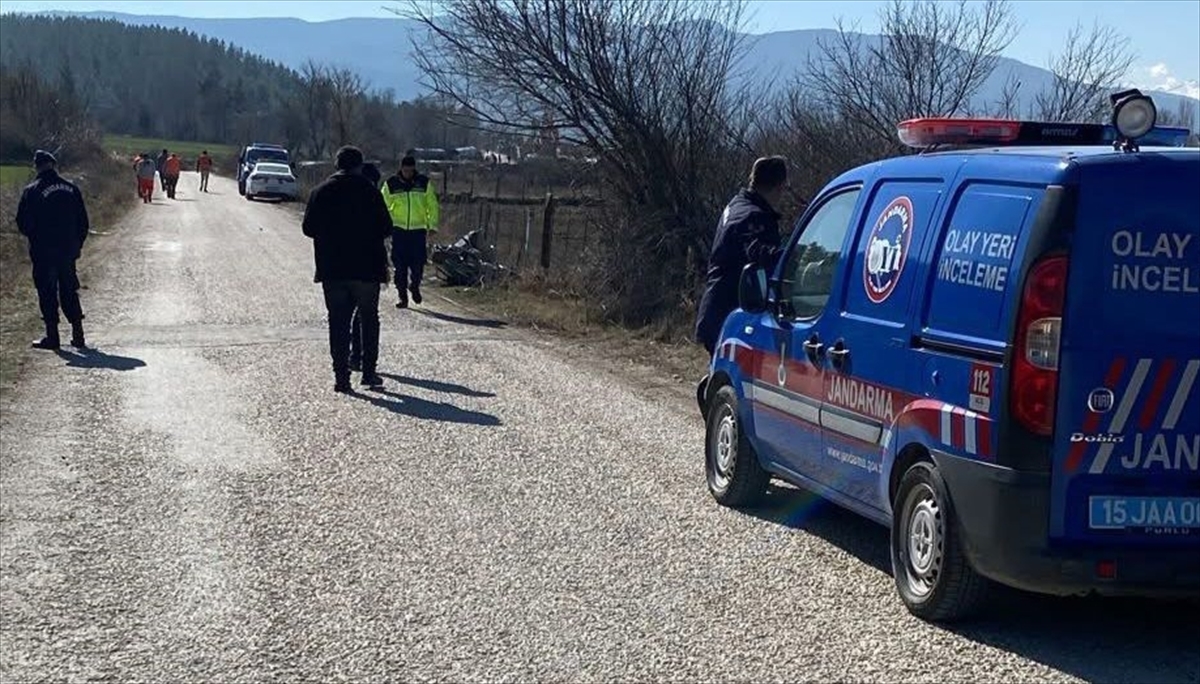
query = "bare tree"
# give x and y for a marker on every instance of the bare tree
(931, 60)
(1008, 105)
(1088, 69)
(346, 94)
(315, 95)
(1184, 115)
(640, 84)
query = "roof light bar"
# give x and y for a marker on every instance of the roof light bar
(920, 133)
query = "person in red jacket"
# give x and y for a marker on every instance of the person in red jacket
(204, 166)
(170, 174)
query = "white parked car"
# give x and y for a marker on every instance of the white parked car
(272, 179)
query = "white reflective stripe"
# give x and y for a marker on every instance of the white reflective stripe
(969, 422)
(810, 413)
(1126, 407)
(868, 432)
(1181, 395)
(886, 440)
(947, 418)
(733, 353)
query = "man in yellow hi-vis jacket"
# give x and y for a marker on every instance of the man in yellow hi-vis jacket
(413, 203)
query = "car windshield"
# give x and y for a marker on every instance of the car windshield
(272, 168)
(274, 155)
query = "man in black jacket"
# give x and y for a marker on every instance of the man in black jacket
(748, 233)
(51, 214)
(371, 173)
(348, 222)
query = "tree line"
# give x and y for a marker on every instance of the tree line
(656, 91)
(172, 84)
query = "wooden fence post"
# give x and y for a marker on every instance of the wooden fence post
(547, 230)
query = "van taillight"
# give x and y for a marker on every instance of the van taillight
(1039, 332)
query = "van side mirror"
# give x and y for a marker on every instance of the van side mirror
(752, 289)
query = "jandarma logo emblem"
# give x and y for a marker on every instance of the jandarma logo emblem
(887, 249)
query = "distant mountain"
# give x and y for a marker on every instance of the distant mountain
(378, 50)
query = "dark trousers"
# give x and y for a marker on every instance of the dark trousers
(343, 300)
(408, 258)
(57, 285)
(356, 341)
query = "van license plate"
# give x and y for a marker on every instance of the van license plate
(1121, 512)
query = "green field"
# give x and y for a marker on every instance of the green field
(15, 175)
(128, 146)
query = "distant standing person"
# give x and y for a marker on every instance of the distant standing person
(413, 204)
(748, 233)
(348, 223)
(204, 166)
(161, 164)
(145, 177)
(52, 216)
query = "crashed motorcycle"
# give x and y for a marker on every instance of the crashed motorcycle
(467, 262)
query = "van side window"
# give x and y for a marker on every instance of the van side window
(807, 277)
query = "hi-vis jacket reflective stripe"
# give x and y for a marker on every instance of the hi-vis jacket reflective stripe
(412, 204)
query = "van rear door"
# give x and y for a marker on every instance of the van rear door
(1126, 466)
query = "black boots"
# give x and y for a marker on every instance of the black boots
(50, 341)
(416, 294)
(77, 340)
(371, 379)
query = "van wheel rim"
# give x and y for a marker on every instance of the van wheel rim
(924, 541)
(726, 450)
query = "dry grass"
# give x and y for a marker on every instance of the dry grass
(108, 192)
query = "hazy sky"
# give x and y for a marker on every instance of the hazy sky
(1165, 34)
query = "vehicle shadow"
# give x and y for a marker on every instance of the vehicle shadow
(798, 509)
(423, 409)
(475, 322)
(437, 386)
(94, 358)
(1096, 639)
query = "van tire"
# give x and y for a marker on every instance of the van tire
(933, 576)
(734, 476)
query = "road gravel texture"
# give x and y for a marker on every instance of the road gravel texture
(192, 502)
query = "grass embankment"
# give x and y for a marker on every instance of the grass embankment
(128, 146)
(108, 188)
(660, 353)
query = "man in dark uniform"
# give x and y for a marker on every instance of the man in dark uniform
(748, 233)
(51, 214)
(348, 222)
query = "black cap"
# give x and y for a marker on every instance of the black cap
(43, 157)
(348, 157)
(408, 161)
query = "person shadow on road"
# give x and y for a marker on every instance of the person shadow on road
(94, 358)
(424, 409)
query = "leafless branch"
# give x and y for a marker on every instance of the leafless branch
(1089, 67)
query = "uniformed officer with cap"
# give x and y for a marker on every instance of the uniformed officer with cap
(52, 216)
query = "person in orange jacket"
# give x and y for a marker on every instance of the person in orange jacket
(170, 174)
(204, 166)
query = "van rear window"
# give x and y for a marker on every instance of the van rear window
(974, 266)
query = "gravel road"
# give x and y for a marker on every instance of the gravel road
(193, 502)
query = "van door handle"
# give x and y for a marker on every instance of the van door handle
(839, 354)
(813, 349)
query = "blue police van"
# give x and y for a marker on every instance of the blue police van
(991, 348)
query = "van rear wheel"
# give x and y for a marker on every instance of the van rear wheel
(933, 576)
(735, 477)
